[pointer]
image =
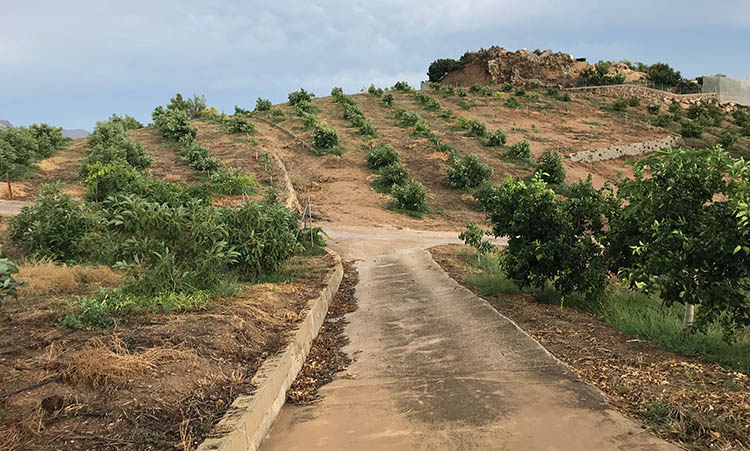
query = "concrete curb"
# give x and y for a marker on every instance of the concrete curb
(250, 417)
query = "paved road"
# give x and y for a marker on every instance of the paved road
(12, 207)
(437, 368)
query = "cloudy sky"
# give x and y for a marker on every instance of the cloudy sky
(73, 63)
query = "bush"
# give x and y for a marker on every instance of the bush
(653, 109)
(565, 97)
(323, 137)
(104, 180)
(617, 105)
(231, 182)
(8, 285)
(174, 125)
(47, 137)
(128, 122)
(21, 147)
(550, 168)
(402, 86)
(675, 109)
(199, 158)
(441, 67)
(410, 196)
(377, 92)
(496, 139)
(262, 104)
(382, 155)
(390, 176)
(388, 99)
(467, 172)
(422, 129)
(277, 113)
(299, 96)
(55, 227)
(111, 145)
(461, 92)
(662, 120)
(706, 115)
(599, 75)
(406, 117)
(520, 92)
(193, 107)
(691, 129)
(634, 102)
(520, 150)
(477, 129)
(446, 90)
(506, 87)
(430, 103)
(512, 102)
(662, 74)
(728, 139)
(238, 124)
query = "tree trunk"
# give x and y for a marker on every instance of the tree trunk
(687, 319)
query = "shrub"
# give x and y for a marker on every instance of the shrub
(472, 236)
(115, 149)
(174, 125)
(565, 97)
(377, 92)
(231, 182)
(55, 227)
(475, 88)
(662, 120)
(467, 172)
(506, 87)
(550, 168)
(262, 104)
(309, 121)
(238, 124)
(520, 150)
(324, 137)
(512, 102)
(193, 107)
(691, 129)
(304, 106)
(410, 196)
(422, 129)
(277, 113)
(128, 122)
(653, 109)
(441, 67)
(662, 74)
(728, 139)
(520, 92)
(496, 138)
(461, 92)
(402, 86)
(706, 115)
(390, 176)
(675, 109)
(388, 99)
(104, 180)
(199, 158)
(382, 155)
(634, 101)
(446, 90)
(48, 138)
(599, 75)
(617, 105)
(406, 117)
(430, 103)
(21, 147)
(8, 285)
(477, 129)
(299, 96)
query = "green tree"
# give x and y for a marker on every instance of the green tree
(663, 74)
(681, 234)
(441, 67)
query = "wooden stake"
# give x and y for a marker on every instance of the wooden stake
(10, 190)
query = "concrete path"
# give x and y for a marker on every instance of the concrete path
(12, 207)
(437, 368)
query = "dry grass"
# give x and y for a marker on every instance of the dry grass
(48, 278)
(99, 364)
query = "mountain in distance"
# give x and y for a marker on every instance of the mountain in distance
(76, 133)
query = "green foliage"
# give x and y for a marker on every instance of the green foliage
(231, 182)
(467, 172)
(445, 90)
(477, 129)
(21, 147)
(662, 74)
(388, 99)
(617, 105)
(706, 114)
(520, 92)
(512, 102)
(110, 144)
(377, 92)
(422, 129)
(324, 138)
(410, 196)
(128, 122)
(402, 86)
(728, 139)
(676, 110)
(520, 150)
(472, 236)
(55, 227)
(199, 157)
(550, 240)
(653, 109)
(309, 121)
(506, 87)
(550, 168)
(634, 102)
(461, 92)
(104, 180)
(679, 232)
(238, 124)
(691, 129)
(302, 107)
(406, 117)
(430, 103)
(662, 120)
(382, 155)
(174, 125)
(192, 107)
(263, 104)
(599, 75)
(389, 176)
(441, 67)
(8, 285)
(299, 96)
(496, 138)
(354, 114)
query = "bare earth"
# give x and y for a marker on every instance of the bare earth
(436, 367)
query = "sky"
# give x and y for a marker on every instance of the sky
(73, 63)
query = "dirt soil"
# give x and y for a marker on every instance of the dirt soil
(326, 357)
(683, 399)
(153, 382)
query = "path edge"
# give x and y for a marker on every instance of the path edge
(248, 420)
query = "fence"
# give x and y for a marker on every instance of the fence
(729, 90)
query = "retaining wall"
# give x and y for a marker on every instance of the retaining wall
(649, 95)
(610, 153)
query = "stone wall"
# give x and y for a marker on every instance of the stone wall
(610, 153)
(649, 95)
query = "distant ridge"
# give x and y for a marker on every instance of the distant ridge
(5, 124)
(75, 133)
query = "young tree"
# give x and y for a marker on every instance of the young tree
(683, 233)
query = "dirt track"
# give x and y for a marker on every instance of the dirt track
(12, 207)
(435, 367)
